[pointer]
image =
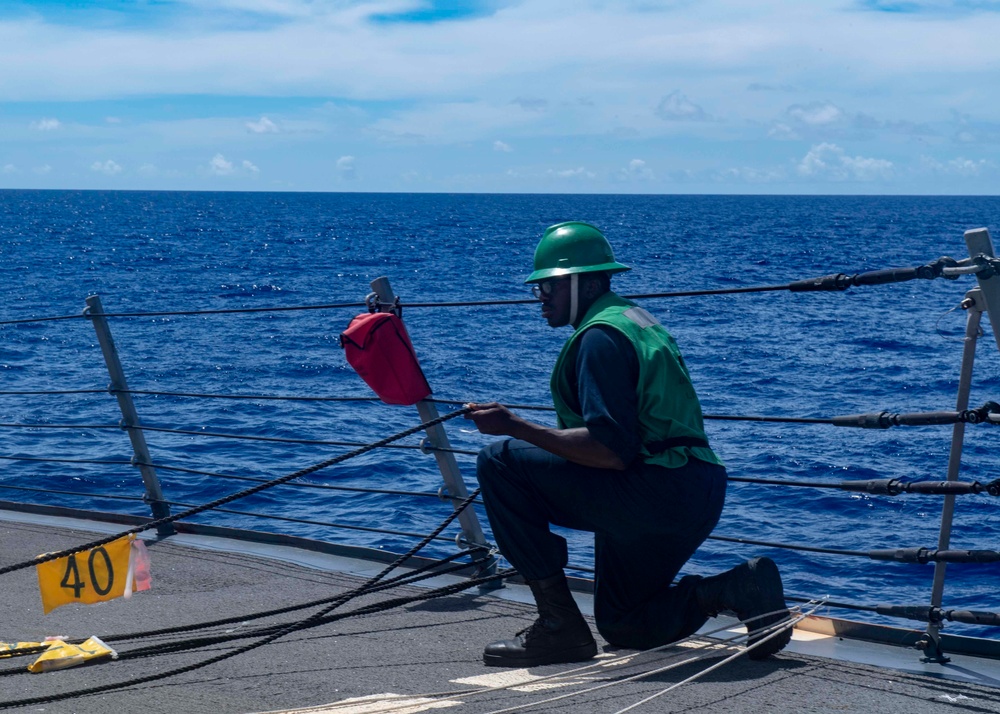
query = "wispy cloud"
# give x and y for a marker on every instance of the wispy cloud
(108, 168)
(219, 166)
(960, 166)
(816, 114)
(46, 124)
(346, 168)
(677, 107)
(830, 162)
(576, 173)
(636, 170)
(502, 147)
(262, 126)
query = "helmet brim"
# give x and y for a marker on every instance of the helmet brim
(547, 273)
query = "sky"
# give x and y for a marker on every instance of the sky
(502, 96)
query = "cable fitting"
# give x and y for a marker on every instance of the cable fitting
(923, 556)
(839, 281)
(895, 486)
(988, 266)
(937, 615)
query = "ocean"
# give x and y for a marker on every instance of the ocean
(894, 348)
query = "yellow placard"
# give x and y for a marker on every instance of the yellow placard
(89, 576)
(60, 655)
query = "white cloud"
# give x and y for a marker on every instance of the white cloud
(749, 174)
(957, 167)
(829, 161)
(46, 124)
(783, 132)
(108, 167)
(42, 170)
(249, 167)
(219, 166)
(677, 107)
(501, 146)
(635, 171)
(263, 126)
(572, 173)
(148, 170)
(9, 169)
(816, 113)
(346, 169)
(113, 120)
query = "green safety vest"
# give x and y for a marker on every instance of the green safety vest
(667, 403)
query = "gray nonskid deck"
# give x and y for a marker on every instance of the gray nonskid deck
(432, 646)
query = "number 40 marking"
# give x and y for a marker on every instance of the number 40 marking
(71, 578)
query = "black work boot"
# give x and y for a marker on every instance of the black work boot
(560, 634)
(749, 590)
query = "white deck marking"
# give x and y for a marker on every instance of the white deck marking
(518, 680)
(396, 703)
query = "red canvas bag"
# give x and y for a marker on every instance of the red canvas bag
(377, 346)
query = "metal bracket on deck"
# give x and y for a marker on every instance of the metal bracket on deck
(931, 647)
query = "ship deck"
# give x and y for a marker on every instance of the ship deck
(415, 654)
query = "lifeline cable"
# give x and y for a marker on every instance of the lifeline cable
(942, 267)
(240, 494)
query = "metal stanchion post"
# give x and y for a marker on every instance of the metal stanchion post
(130, 417)
(437, 438)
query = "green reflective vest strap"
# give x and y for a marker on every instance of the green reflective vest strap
(667, 403)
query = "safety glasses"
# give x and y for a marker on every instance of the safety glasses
(545, 288)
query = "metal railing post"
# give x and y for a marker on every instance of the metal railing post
(130, 417)
(437, 439)
(973, 301)
(985, 298)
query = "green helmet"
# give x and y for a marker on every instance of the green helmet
(573, 247)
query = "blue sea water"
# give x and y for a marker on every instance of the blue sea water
(895, 348)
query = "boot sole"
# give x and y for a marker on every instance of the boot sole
(580, 653)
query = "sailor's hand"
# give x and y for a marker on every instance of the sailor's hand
(494, 419)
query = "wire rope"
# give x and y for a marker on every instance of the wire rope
(789, 546)
(308, 522)
(73, 493)
(324, 486)
(240, 494)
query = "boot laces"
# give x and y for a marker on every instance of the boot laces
(533, 630)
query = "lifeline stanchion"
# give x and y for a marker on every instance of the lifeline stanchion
(130, 417)
(233, 497)
(437, 439)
